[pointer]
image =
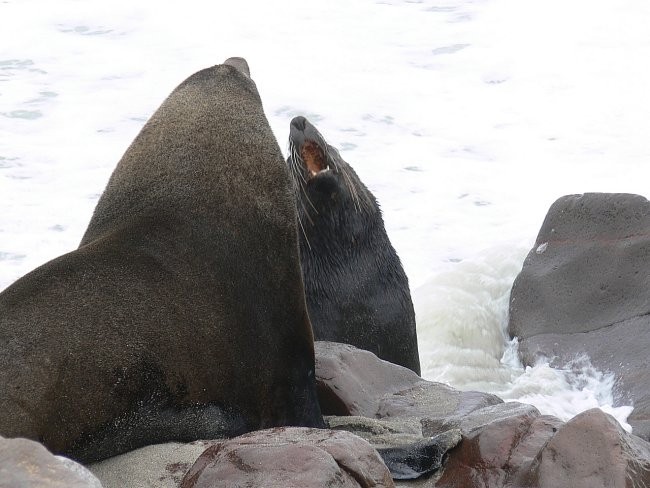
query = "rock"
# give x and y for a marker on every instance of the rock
(352, 381)
(26, 464)
(388, 432)
(589, 451)
(479, 418)
(585, 289)
(290, 456)
(591, 253)
(420, 458)
(416, 426)
(400, 443)
(491, 454)
(157, 466)
(414, 446)
(388, 405)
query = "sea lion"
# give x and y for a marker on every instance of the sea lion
(182, 313)
(356, 289)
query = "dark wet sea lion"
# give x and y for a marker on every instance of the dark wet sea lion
(182, 314)
(357, 291)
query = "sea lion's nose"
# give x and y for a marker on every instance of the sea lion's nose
(299, 123)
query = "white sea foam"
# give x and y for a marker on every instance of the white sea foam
(561, 392)
(462, 329)
(466, 118)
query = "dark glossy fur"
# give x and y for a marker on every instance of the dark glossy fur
(357, 291)
(182, 314)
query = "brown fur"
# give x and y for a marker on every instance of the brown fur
(182, 314)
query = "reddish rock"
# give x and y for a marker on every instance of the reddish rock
(352, 381)
(491, 454)
(590, 451)
(290, 456)
(27, 464)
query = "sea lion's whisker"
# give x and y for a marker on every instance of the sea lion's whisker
(348, 241)
(304, 192)
(304, 233)
(296, 161)
(352, 189)
(346, 176)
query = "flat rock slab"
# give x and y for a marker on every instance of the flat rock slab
(479, 418)
(27, 464)
(290, 456)
(388, 432)
(156, 466)
(352, 381)
(585, 289)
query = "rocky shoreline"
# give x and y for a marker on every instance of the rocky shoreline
(470, 438)
(378, 414)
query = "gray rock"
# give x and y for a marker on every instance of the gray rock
(400, 443)
(27, 464)
(380, 432)
(478, 418)
(420, 458)
(585, 289)
(590, 261)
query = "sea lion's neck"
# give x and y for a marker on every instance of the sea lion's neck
(341, 236)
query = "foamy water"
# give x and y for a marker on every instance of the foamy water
(462, 331)
(467, 119)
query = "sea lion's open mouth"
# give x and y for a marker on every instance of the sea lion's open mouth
(314, 158)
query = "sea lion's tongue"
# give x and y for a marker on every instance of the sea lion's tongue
(314, 158)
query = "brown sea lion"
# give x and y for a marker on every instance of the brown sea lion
(182, 314)
(356, 288)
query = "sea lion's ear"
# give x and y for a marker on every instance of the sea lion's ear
(239, 64)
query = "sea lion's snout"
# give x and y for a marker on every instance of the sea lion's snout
(301, 130)
(297, 131)
(299, 123)
(306, 141)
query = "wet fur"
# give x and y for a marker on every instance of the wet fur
(181, 315)
(357, 291)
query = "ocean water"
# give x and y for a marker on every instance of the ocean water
(466, 118)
